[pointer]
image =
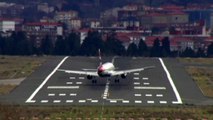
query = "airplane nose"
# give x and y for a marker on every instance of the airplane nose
(100, 69)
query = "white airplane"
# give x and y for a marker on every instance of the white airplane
(105, 70)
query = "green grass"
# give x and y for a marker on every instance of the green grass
(180, 112)
(17, 67)
(12, 67)
(204, 79)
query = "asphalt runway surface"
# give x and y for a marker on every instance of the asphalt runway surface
(166, 84)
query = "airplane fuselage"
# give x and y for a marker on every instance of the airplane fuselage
(106, 69)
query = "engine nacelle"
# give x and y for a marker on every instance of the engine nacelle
(89, 77)
(123, 76)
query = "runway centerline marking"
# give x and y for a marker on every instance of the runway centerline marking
(179, 101)
(106, 91)
(29, 100)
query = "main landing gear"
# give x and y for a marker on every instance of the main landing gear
(94, 81)
(117, 80)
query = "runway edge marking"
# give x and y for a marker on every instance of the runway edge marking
(179, 101)
(29, 100)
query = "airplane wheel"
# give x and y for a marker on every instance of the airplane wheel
(116, 80)
(94, 81)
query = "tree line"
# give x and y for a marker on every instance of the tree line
(18, 44)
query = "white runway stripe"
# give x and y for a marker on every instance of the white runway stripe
(145, 78)
(81, 78)
(136, 78)
(136, 83)
(159, 95)
(69, 83)
(148, 95)
(72, 78)
(136, 73)
(138, 101)
(51, 94)
(113, 101)
(78, 83)
(94, 101)
(62, 94)
(44, 101)
(137, 95)
(146, 83)
(163, 102)
(125, 101)
(82, 101)
(63, 87)
(150, 88)
(73, 94)
(150, 102)
(179, 100)
(69, 101)
(56, 101)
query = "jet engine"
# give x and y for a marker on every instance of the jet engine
(123, 76)
(89, 77)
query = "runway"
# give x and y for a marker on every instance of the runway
(154, 87)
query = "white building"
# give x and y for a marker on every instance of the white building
(7, 25)
(65, 16)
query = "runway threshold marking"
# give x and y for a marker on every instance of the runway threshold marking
(179, 101)
(29, 100)
(150, 88)
(63, 87)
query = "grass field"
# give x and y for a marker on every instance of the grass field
(12, 67)
(83, 112)
(202, 75)
(16, 67)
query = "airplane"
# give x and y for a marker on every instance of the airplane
(105, 70)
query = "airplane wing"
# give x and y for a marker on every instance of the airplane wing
(91, 73)
(131, 70)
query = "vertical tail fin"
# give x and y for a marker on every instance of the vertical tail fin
(99, 54)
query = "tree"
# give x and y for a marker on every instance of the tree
(47, 46)
(2, 45)
(142, 48)
(73, 41)
(113, 46)
(23, 46)
(188, 52)
(166, 47)
(210, 50)
(200, 53)
(156, 49)
(132, 50)
(61, 48)
(91, 44)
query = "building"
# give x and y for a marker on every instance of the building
(38, 31)
(44, 7)
(65, 16)
(11, 10)
(74, 24)
(7, 25)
